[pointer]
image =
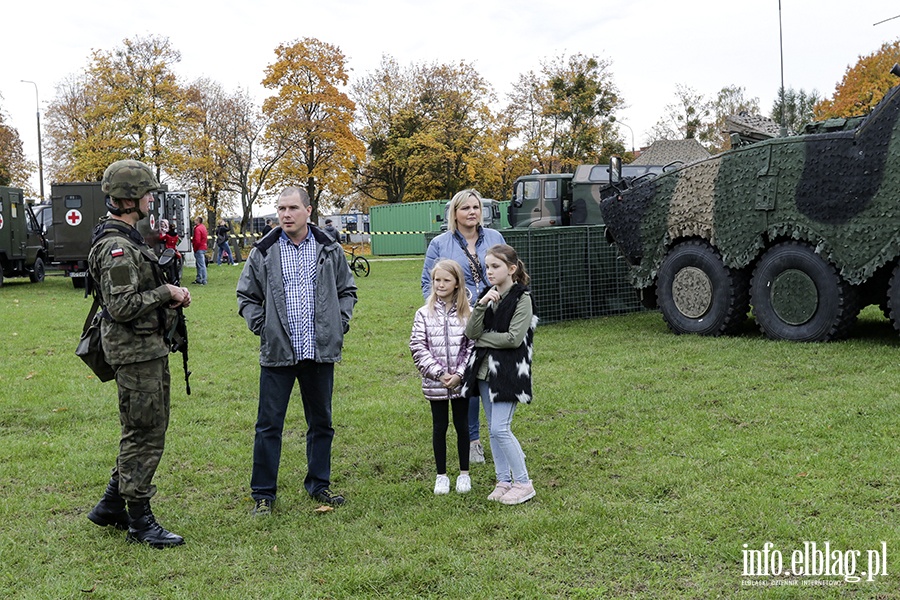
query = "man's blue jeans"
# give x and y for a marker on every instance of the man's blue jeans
(275, 387)
(200, 257)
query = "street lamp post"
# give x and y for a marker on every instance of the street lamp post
(40, 154)
(612, 119)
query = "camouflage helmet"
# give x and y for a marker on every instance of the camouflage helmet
(128, 180)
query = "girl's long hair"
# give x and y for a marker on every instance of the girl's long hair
(459, 298)
(509, 256)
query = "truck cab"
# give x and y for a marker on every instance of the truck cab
(541, 200)
(490, 214)
(23, 249)
(554, 199)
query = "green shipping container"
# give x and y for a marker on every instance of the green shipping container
(401, 228)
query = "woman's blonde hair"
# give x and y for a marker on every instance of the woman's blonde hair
(509, 256)
(457, 201)
(459, 298)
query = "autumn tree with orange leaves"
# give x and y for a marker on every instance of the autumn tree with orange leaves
(311, 118)
(863, 86)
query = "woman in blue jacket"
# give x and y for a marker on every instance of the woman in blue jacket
(466, 241)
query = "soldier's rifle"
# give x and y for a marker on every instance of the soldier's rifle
(177, 337)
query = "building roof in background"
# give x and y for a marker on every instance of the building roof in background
(663, 152)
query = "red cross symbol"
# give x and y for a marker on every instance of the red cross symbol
(73, 217)
(1, 221)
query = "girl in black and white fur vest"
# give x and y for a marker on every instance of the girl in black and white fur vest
(502, 325)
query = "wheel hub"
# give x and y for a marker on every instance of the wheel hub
(692, 292)
(794, 297)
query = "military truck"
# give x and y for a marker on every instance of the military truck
(490, 214)
(561, 199)
(23, 249)
(76, 207)
(806, 229)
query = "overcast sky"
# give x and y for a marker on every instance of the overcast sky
(653, 44)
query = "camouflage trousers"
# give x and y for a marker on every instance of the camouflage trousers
(144, 416)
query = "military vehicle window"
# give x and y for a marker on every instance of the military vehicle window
(13, 208)
(73, 201)
(551, 189)
(599, 173)
(44, 216)
(532, 190)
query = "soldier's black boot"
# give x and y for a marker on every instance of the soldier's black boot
(145, 530)
(111, 508)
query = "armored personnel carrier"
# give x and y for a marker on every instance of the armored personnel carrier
(806, 229)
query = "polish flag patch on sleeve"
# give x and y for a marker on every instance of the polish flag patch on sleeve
(117, 252)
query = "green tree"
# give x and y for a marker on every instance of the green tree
(864, 84)
(311, 118)
(582, 97)
(388, 121)
(794, 109)
(530, 125)
(729, 101)
(685, 118)
(563, 116)
(15, 169)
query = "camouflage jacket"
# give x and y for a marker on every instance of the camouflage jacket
(134, 299)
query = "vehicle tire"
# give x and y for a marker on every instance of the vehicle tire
(697, 293)
(798, 296)
(360, 266)
(892, 305)
(37, 273)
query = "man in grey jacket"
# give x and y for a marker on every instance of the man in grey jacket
(295, 292)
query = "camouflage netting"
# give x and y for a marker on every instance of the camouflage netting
(838, 191)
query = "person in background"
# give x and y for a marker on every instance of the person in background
(168, 237)
(199, 241)
(440, 351)
(502, 325)
(138, 310)
(222, 249)
(330, 230)
(297, 294)
(267, 228)
(466, 241)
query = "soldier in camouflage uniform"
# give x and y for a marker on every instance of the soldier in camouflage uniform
(137, 316)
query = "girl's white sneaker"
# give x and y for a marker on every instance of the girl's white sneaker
(442, 485)
(463, 484)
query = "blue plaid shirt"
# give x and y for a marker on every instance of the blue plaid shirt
(298, 271)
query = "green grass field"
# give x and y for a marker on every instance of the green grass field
(656, 458)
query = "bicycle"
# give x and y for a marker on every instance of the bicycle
(358, 264)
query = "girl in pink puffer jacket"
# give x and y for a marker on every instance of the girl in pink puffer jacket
(440, 350)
